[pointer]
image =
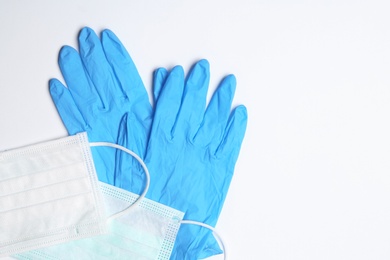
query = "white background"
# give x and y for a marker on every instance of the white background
(313, 177)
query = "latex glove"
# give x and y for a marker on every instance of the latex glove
(192, 152)
(98, 97)
(103, 86)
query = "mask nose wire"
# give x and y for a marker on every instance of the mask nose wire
(124, 149)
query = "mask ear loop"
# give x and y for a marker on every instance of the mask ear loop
(123, 212)
(215, 233)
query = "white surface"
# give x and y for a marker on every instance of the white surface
(312, 180)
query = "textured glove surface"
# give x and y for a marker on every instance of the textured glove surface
(192, 152)
(103, 86)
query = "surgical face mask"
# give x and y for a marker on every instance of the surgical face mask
(148, 231)
(49, 194)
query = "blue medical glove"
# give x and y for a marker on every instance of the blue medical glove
(192, 152)
(103, 86)
(94, 101)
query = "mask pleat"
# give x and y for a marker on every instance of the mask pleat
(48, 194)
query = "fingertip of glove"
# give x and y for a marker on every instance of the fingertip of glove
(227, 87)
(85, 33)
(55, 87)
(177, 71)
(160, 72)
(66, 50)
(231, 78)
(107, 34)
(53, 82)
(85, 28)
(241, 111)
(204, 63)
(199, 75)
(202, 67)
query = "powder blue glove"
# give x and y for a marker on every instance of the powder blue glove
(103, 86)
(192, 152)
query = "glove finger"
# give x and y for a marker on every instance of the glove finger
(129, 89)
(97, 67)
(69, 113)
(128, 174)
(217, 113)
(159, 77)
(168, 104)
(127, 77)
(84, 95)
(234, 134)
(194, 99)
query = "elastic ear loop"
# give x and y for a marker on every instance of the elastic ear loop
(215, 233)
(123, 212)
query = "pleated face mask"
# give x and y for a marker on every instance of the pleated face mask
(53, 207)
(49, 194)
(50, 198)
(146, 232)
